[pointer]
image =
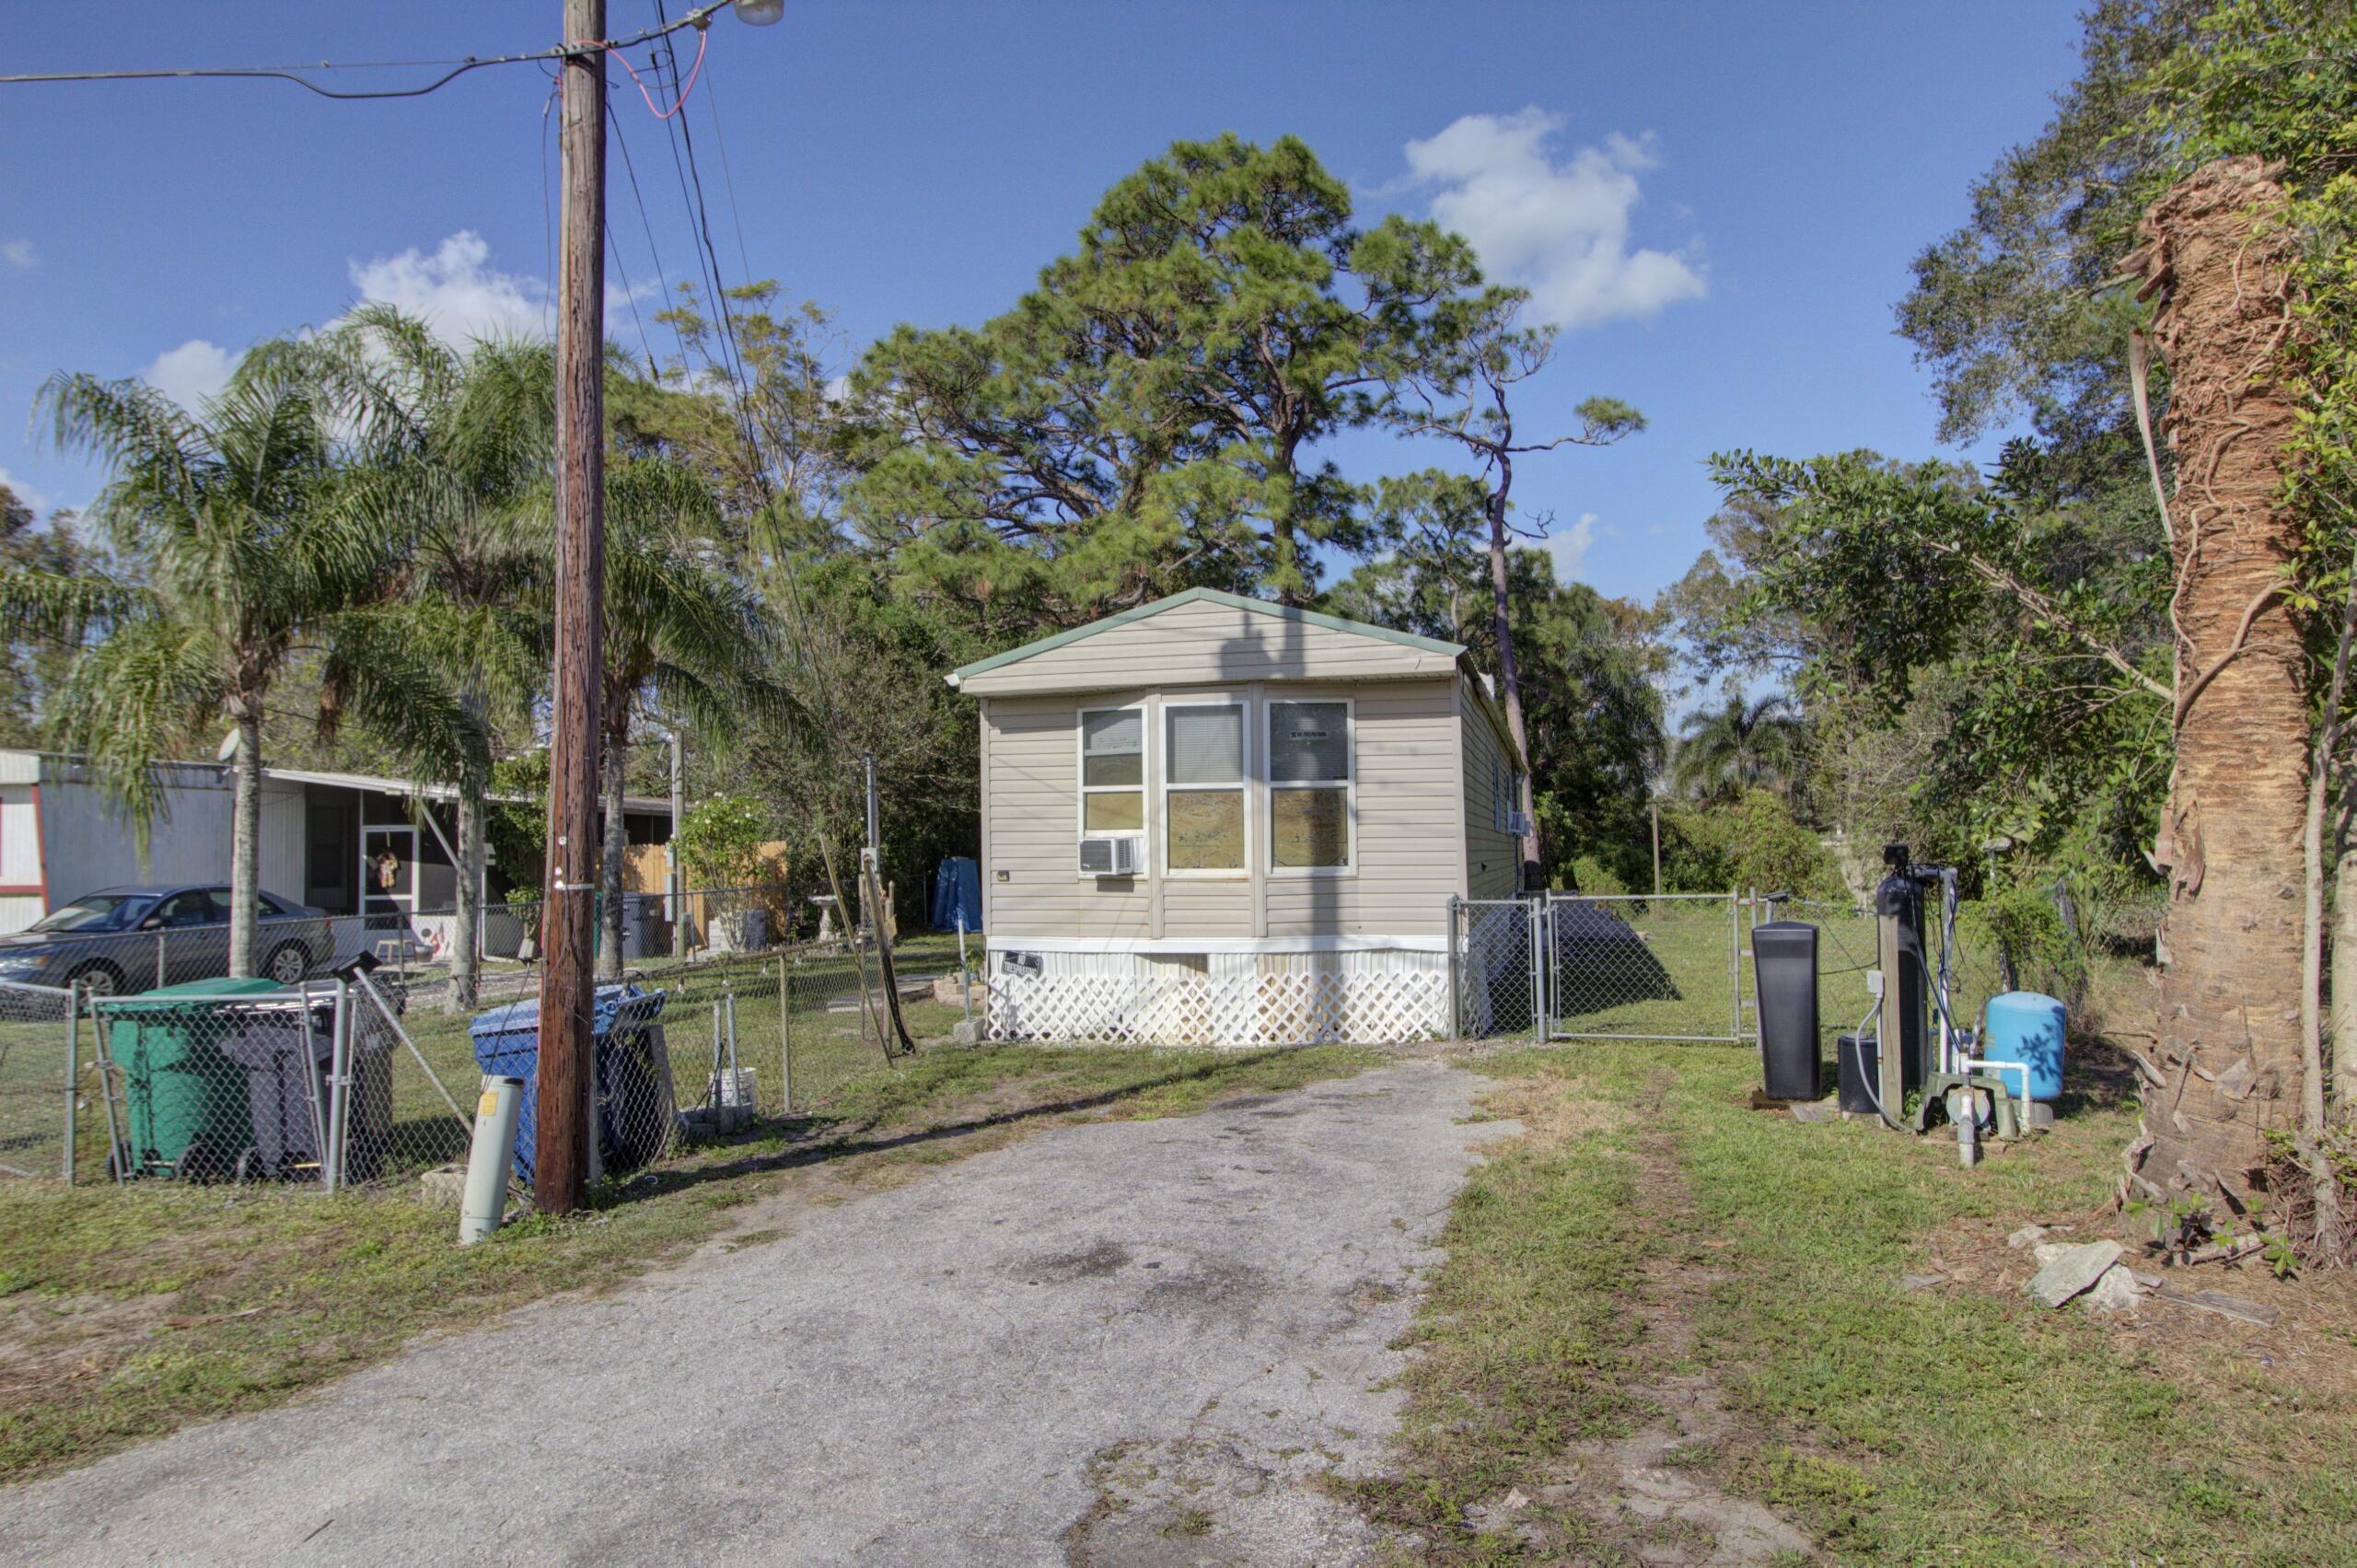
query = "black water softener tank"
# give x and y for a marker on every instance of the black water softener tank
(1784, 973)
(1900, 897)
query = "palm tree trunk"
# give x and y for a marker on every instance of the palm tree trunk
(2229, 1036)
(609, 863)
(466, 928)
(245, 840)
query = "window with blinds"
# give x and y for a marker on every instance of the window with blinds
(1202, 799)
(1310, 785)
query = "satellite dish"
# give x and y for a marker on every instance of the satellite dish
(229, 746)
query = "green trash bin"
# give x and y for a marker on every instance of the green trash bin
(186, 1101)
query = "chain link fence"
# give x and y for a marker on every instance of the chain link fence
(1495, 975)
(365, 1080)
(1664, 967)
(42, 1051)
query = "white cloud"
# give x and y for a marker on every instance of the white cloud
(192, 374)
(23, 492)
(1559, 229)
(456, 291)
(1570, 547)
(19, 254)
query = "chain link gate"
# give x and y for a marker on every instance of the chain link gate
(1667, 966)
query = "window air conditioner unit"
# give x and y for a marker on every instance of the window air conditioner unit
(1519, 823)
(1110, 857)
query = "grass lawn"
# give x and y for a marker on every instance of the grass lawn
(1651, 1247)
(124, 1314)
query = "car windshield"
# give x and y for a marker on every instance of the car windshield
(84, 913)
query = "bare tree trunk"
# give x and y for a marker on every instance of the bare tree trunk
(2344, 988)
(2323, 765)
(245, 840)
(2231, 836)
(1510, 682)
(609, 863)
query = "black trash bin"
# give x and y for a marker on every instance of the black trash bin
(285, 1047)
(1784, 973)
(1857, 1069)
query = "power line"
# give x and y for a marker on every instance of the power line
(646, 223)
(697, 18)
(727, 176)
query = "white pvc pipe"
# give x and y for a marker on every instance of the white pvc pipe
(1998, 1069)
(485, 1201)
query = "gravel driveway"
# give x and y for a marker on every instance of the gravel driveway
(1122, 1343)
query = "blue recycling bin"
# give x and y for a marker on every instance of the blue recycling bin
(634, 1099)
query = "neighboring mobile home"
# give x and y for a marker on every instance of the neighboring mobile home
(1216, 821)
(347, 843)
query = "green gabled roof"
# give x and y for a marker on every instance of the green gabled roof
(1213, 596)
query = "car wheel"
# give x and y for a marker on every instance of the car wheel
(288, 964)
(97, 980)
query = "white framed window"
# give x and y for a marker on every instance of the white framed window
(1205, 815)
(1312, 799)
(1113, 773)
(1505, 798)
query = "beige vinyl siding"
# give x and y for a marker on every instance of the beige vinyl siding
(1489, 853)
(1404, 753)
(1033, 827)
(1208, 643)
(1192, 907)
(1407, 848)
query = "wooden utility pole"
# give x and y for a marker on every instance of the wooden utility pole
(567, 1069)
(1655, 805)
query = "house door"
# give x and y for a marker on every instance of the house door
(389, 876)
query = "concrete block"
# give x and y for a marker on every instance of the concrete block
(2073, 1270)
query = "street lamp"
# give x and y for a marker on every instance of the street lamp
(759, 13)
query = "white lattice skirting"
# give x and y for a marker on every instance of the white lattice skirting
(1234, 1011)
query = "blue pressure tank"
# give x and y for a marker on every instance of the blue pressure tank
(2026, 1028)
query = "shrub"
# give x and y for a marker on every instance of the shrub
(1751, 842)
(720, 843)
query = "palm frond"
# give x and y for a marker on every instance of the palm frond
(378, 669)
(130, 700)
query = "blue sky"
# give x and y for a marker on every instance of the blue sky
(1719, 201)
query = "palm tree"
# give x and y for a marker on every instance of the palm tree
(1724, 751)
(458, 447)
(240, 555)
(679, 625)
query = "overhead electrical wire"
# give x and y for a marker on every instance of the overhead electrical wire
(697, 18)
(646, 223)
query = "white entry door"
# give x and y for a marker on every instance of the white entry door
(389, 871)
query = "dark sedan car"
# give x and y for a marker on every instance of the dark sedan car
(122, 939)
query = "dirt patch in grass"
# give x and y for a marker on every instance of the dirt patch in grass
(1647, 1494)
(2311, 1347)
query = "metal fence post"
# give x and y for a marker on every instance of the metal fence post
(1456, 975)
(1736, 967)
(73, 1070)
(785, 1041)
(1537, 1010)
(339, 1086)
(160, 957)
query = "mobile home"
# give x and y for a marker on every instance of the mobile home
(1216, 821)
